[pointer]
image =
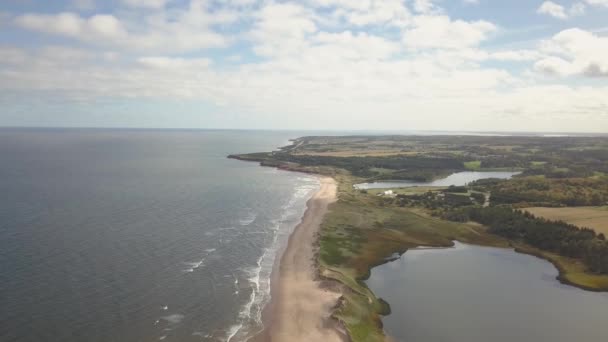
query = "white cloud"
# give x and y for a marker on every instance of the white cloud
(424, 6)
(516, 55)
(603, 3)
(555, 66)
(367, 12)
(577, 9)
(281, 29)
(68, 24)
(407, 63)
(575, 52)
(439, 31)
(560, 12)
(346, 45)
(362, 5)
(181, 30)
(391, 12)
(552, 9)
(175, 63)
(145, 3)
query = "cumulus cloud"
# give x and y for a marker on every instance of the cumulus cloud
(577, 9)
(71, 24)
(560, 12)
(424, 6)
(575, 52)
(184, 30)
(281, 29)
(552, 9)
(439, 31)
(174, 63)
(360, 46)
(324, 59)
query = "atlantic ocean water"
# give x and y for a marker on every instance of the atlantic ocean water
(139, 235)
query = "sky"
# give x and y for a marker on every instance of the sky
(474, 65)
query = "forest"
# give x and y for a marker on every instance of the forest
(548, 192)
(419, 168)
(553, 236)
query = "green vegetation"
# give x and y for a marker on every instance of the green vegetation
(473, 165)
(552, 236)
(365, 228)
(595, 218)
(548, 192)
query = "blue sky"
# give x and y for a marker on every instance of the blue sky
(310, 64)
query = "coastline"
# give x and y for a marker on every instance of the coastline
(362, 230)
(301, 304)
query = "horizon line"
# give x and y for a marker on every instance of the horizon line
(393, 131)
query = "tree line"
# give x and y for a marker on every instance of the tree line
(553, 236)
(404, 167)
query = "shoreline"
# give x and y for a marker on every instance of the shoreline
(301, 304)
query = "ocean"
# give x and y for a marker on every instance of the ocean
(140, 235)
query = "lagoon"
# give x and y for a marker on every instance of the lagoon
(479, 294)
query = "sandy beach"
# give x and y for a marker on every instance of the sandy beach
(300, 307)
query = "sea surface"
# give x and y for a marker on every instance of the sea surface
(139, 235)
(456, 179)
(481, 294)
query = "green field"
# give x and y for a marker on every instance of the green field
(473, 165)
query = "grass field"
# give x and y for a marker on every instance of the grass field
(595, 218)
(473, 165)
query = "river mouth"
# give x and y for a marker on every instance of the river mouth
(456, 179)
(473, 293)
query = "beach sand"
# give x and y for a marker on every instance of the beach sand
(300, 307)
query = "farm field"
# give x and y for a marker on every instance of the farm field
(595, 218)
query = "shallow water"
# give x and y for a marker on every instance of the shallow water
(457, 179)
(479, 294)
(147, 235)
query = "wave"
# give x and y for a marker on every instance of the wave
(194, 265)
(197, 264)
(248, 219)
(258, 276)
(174, 318)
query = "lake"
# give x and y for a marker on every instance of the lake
(478, 294)
(456, 179)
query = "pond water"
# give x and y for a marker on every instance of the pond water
(457, 179)
(479, 294)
